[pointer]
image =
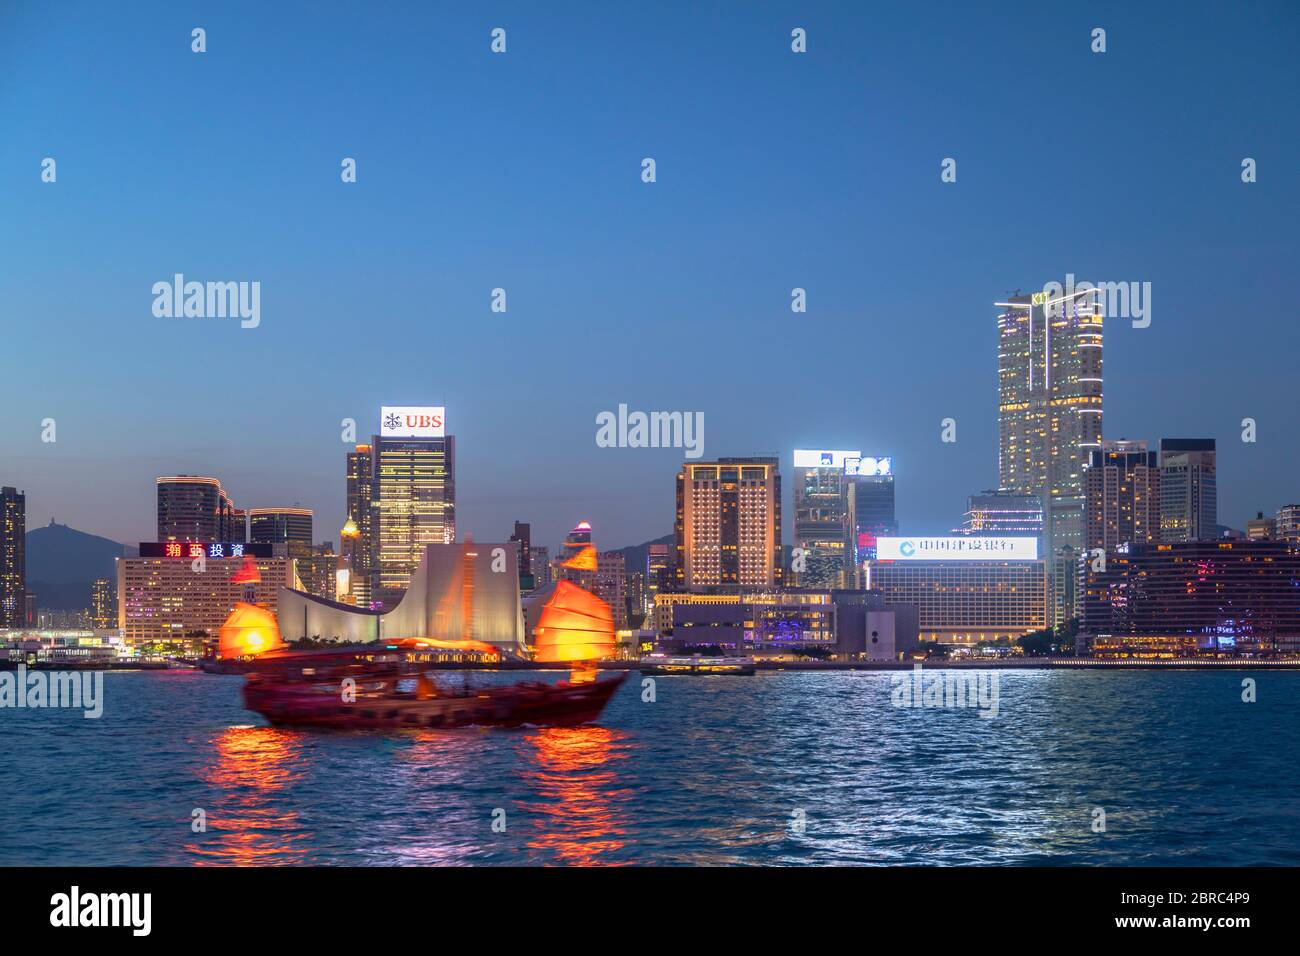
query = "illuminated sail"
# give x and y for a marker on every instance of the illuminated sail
(575, 625)
(250, 629)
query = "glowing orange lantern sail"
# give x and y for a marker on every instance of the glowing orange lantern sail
(575, 625)
(250, 629)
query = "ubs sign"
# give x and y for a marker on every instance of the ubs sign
(412, 421)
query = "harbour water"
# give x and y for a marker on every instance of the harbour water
(778, 768)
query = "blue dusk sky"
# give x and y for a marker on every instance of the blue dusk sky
(775, 170)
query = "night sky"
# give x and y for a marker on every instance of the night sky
(775, 170)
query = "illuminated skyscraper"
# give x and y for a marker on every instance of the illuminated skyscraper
(1003, 513)
(414, 494)
(1050, 413)
(1122, 489)
(281, 526)
(13, 557)
(728, 525)
(194, 508)
(1189, 499)
(823, 530)
(357, 542)
(103, 603)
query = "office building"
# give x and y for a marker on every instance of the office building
(414, 494)
(1122, 494)
(870, 486)
(823, 532)
(292, 526)
(13, 558)
(1194, 597)
(728, 524)
(1189, 501)
(194, 508)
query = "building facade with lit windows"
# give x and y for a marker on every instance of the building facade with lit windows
(1288, 523)
(1122, 496)
(967, 600)
(1050, 414)
(357, 538)
(280, 526)
(728, 524)
(195, 508)
(103, 604)
(13, 558)
(823, 530)
(165, 598)
(413, 497)
(1194, 598)
(1189, 496)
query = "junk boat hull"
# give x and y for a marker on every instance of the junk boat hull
(394, 703)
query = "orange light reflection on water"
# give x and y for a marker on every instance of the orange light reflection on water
(248, 826)
(577, 818)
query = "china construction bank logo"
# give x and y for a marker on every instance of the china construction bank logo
(907, 549)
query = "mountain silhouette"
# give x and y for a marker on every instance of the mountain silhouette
(62, 562)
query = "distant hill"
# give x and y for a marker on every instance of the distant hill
(634, 555)
(62, 561)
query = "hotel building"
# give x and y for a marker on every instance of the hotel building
(1194, 597)
(966, 599)
(194, 508)
(1050, 413)
(728, 524)
(1189, 499)
(13, 558)
(164, 598)
(1288, 523)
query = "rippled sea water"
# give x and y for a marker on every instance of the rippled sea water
(714, 771)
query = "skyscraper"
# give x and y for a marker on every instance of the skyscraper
(823, 530)
(1189, 502)
(523, 537)
(13, 557)
(194, 508)
(1122, 492)
(281, 526)
(1050, 413)
(357, 542)
(728, 524)
(870, 487)
(658, 572)
(414, 493)
(103, 603)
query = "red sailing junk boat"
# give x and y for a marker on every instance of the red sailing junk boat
(387, 685)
